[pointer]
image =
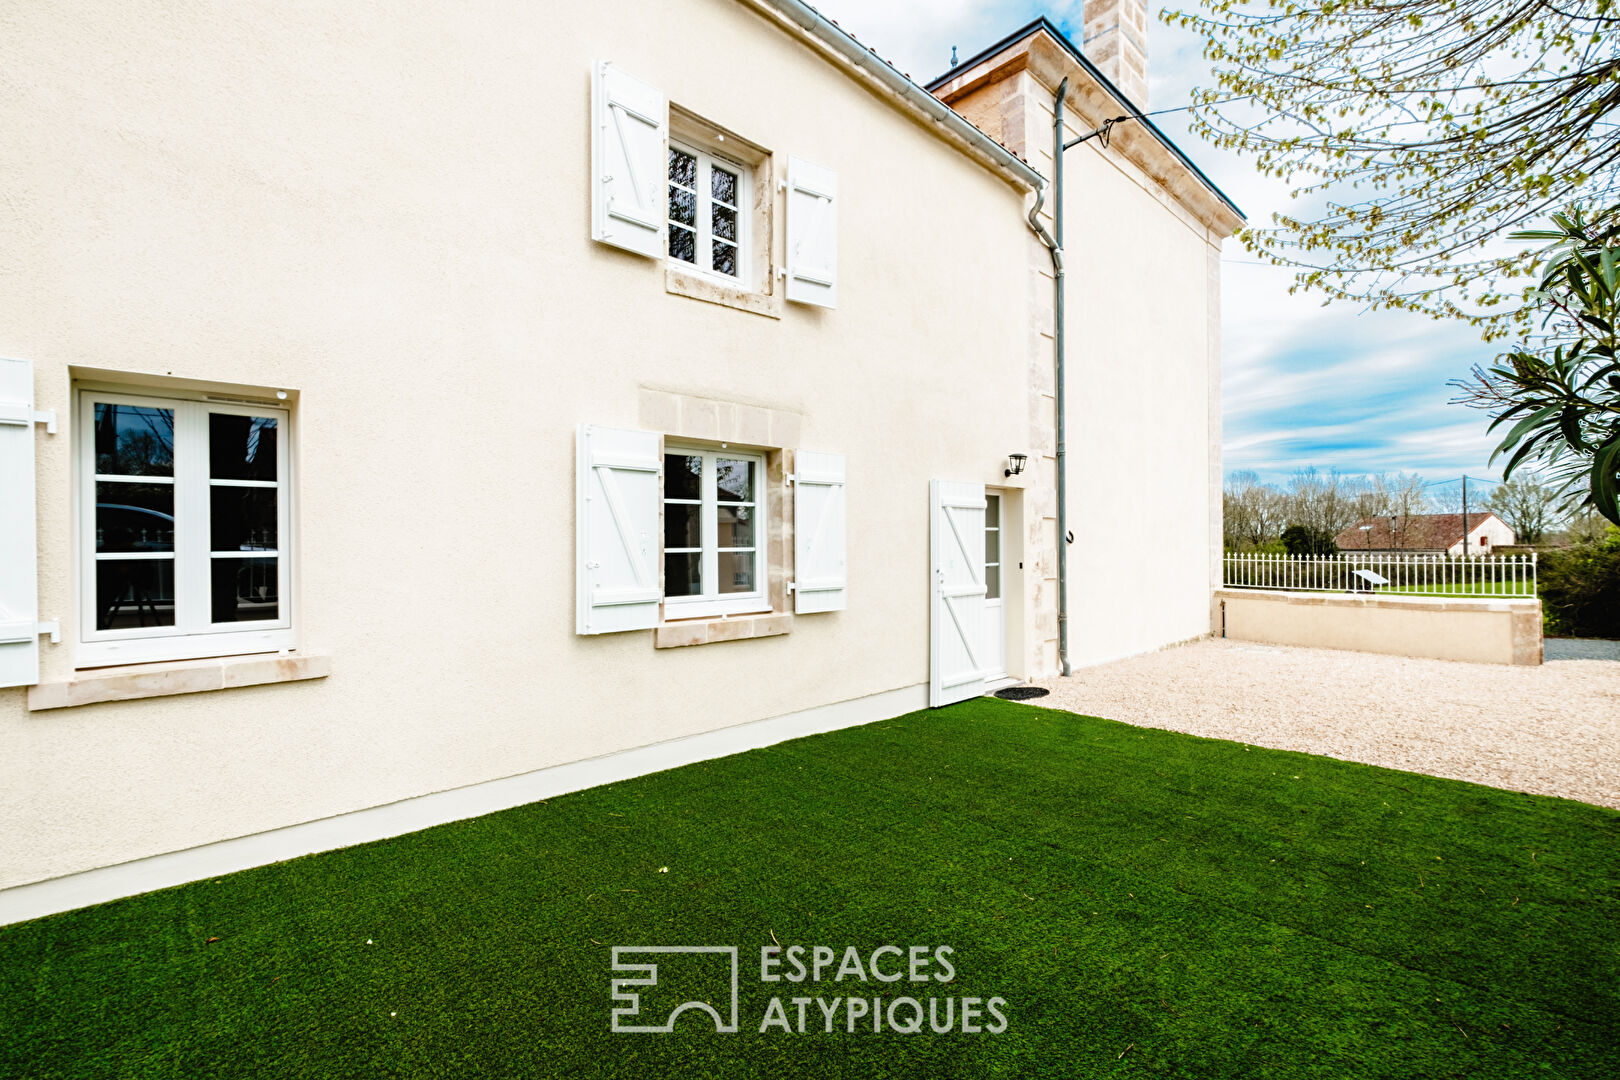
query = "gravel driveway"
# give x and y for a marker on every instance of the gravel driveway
(1553, 729)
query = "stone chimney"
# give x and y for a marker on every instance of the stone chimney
(1116, 41)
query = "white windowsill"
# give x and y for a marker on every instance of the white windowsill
(179, 677)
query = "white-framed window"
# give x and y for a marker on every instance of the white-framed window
(714, 533)
(185, 526)
(708, 213)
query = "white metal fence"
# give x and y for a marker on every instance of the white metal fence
(1434, 575)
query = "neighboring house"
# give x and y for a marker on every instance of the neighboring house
(425, 382)
(1430, 534)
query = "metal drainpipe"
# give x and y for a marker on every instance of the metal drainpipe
(1055, 246)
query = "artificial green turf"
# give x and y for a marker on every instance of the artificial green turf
(1148, 904)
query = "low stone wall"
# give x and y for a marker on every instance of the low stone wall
(1480, 630)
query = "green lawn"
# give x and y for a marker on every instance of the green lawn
(1147, 903)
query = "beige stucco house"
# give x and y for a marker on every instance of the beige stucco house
(412, 412)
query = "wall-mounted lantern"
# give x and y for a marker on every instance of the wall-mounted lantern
(1015, 464)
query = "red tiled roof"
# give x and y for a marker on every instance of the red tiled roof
(1414, 532)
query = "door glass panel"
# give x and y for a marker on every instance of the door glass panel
(736, 526)
(241, 447)
(134, 517)
(244, 590)
(735, 480)
(992, 511)
(242, 519)
(737, 571)
(132, 593)
(683, 525)
(992, 545)
(683, 476)
(134, 440)
(683, 574)
(992, 583)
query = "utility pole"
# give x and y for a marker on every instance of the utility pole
(1465, 515)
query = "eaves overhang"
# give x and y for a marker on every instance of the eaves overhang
(1127, 106)
(867, 66)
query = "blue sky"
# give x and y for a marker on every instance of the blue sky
(1334, 387)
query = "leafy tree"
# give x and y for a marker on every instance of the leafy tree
(1308, 540)
(1415, 131)
(1252, 511)
(1560, 395)
(1526, 504)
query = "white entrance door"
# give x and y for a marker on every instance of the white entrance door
(956, 625)
(994, 654)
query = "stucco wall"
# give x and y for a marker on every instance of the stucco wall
(1442, 628)
(384, 210)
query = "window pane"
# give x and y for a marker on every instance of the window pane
(682, 244)
(134, 517)
(735, 480)
(736, 571)
(723, 185)
(683, 525)
(725, 223)
(133, 440)
(736, 526)
(134, 592)
(245, 590)
(241, 447)
(992, 511)
(242, 519)
(992, 545)
(683, 476)
(682, 206)
(725, 258)
(683, 574)
(992, 583)
(682, 168)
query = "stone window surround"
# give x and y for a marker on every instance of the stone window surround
(763, 298)
(764, 429)
(134, 681)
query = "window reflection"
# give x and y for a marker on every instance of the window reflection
(134, 440)
(132, 593)
(245, 590)
(241, 447)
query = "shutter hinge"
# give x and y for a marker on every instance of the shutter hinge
(792, 585)
(19, 633)
(792, 478)
(23, 416)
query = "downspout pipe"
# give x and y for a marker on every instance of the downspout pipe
(1054, 244)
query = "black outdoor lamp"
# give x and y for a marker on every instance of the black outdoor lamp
(1015, 463)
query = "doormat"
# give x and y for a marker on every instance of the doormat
(1022, 693)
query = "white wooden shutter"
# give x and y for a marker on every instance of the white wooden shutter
(620, 493)
(956, 623)
(818, 532)
(812, 234)
(19, 587)
(629, 162)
